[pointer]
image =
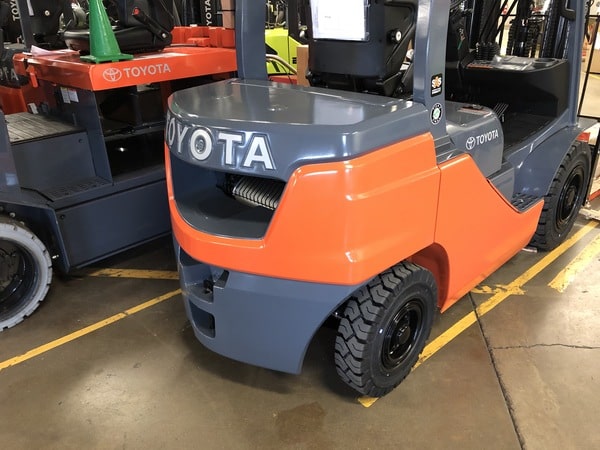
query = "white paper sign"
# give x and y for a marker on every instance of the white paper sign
(339, 19)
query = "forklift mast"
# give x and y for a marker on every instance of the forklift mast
(430, 44)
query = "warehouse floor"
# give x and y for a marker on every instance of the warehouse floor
(514, 364)
(109, 361)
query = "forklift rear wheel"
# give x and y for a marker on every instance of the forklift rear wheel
(25, 272)
(564, 199)
(384, 329)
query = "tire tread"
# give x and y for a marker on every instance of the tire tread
(545, 237)
(18, 233)
(357, 327)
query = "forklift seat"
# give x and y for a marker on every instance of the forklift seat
(141, 26)
(458, 54)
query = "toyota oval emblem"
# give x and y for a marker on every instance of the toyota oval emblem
(112, 74)
(471, 143)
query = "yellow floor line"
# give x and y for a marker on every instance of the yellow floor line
(580, 262)
(432, 348)
(367, 401)
(497, 289)
(514, 287)
(87, 330)
(133, 273)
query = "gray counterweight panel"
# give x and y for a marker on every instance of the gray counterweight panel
(258, 320)
(272, 129)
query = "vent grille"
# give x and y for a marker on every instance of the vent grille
(523, 201)
(255, 191)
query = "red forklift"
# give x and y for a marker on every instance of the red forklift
(82, 172)
(419, 160)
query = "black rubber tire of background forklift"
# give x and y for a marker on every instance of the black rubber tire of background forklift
(25, 272)
(564, 199)
(384, 329)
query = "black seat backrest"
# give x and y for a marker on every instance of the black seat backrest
(373, 64)
(46, 19)
(458, 54)
(159, 10)
(132, 35)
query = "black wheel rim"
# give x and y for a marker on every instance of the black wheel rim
(570, 197)
(401, 334)
(17, 276)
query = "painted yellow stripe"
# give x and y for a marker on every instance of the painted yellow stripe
(87, 330)
(515, 286)
(580, 262)
(367, 401)
(447, 336)
(133, 273)
(497, 289)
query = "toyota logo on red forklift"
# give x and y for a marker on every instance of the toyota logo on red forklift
(392, 195)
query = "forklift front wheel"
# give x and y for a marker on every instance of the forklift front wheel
(384, 329)
(25, 272)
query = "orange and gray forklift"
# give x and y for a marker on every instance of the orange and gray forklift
(81, 168)
(418, 162)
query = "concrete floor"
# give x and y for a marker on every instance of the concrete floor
(521, 372)
(523, 375)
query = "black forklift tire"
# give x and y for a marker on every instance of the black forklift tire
(384, 329)
(564, 199)
(25, 272)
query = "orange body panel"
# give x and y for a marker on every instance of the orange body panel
(15, 100)
(344, 222)
(338, 222)
(477, 230)
(204, 36)
(11, 100)
(65, 68)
